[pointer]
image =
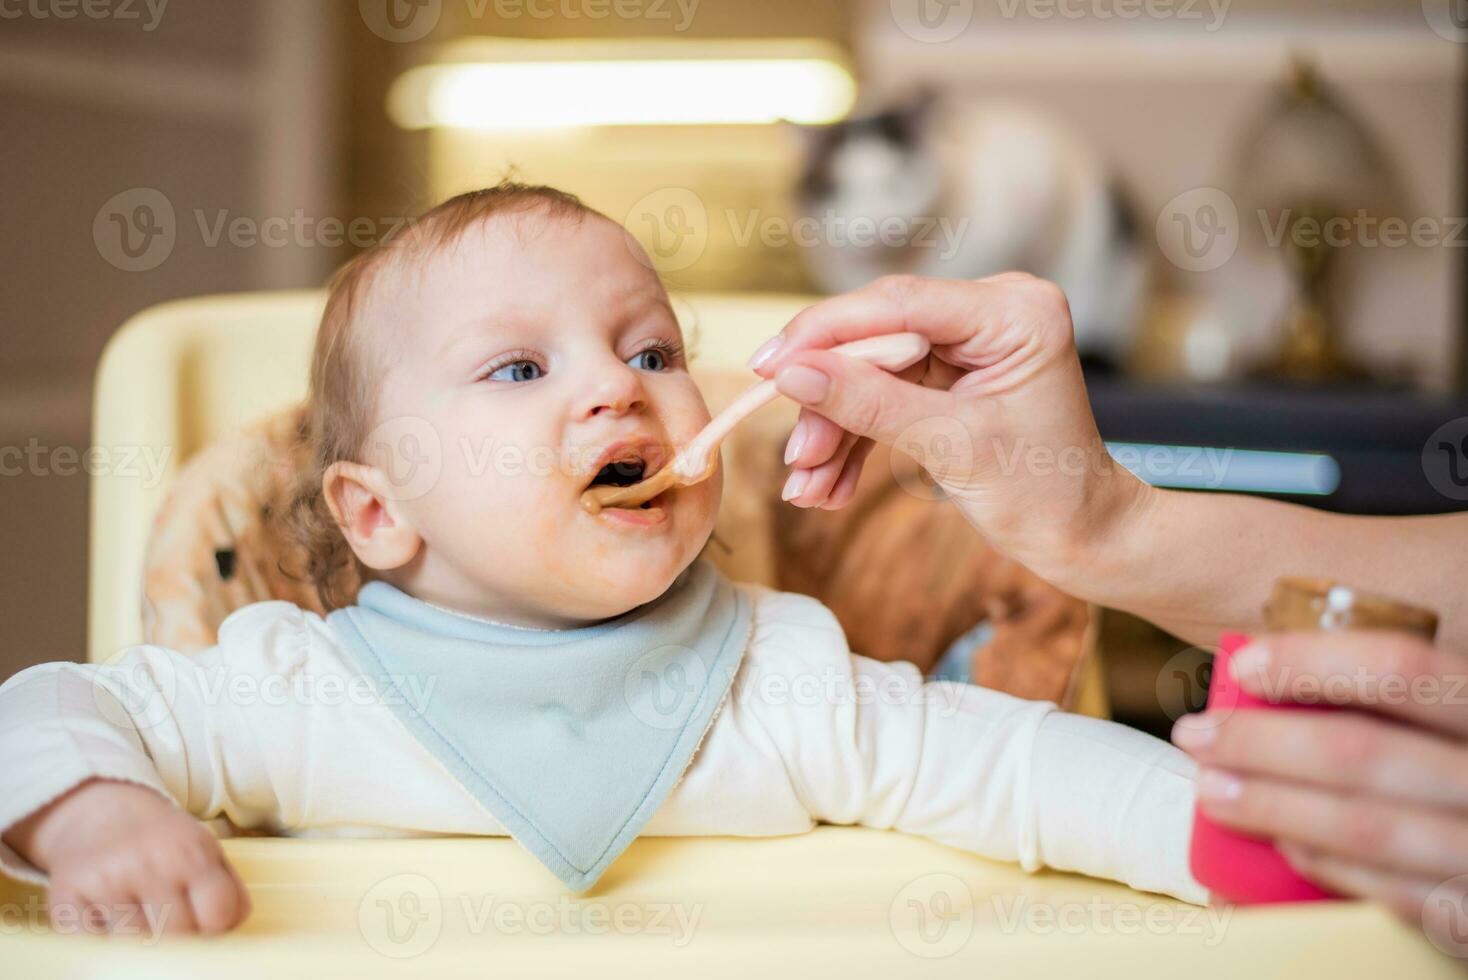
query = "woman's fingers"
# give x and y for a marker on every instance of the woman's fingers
(1395, 673)
(1344, 750)
(814, 444)
(1439, 907)
(859, 397)
(1404, 837)
(813, 440)
(845, 488)
(811, 487)
(975, 317)
(1405, 895)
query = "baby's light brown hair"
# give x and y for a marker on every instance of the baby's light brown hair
(341, 401)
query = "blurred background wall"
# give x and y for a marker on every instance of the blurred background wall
(262, 127)
(222, 106)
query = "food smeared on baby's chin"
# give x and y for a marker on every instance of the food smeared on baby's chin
(651, 514)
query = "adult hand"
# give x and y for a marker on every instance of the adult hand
(997, 413)
(1370, 803)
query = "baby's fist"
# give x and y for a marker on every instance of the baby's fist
(123, 859)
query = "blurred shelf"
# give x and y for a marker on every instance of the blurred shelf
(1377, 436)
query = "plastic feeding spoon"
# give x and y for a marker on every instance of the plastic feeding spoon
(695, 462)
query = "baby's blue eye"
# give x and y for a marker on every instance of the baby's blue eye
(651, 359)
(517, 371)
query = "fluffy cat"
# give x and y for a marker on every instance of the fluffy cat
(961, 188)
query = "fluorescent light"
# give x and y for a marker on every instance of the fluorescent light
(1235, 470)
(518, 90)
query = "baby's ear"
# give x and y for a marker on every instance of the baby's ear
(368, 515)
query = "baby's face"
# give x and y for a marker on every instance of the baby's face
(537, 350)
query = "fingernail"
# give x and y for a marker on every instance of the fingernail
(804, 384)
(766, 351)
(795, 485)
(1215, 784)
(796, 443)
(1252, 659)
(1194, 731)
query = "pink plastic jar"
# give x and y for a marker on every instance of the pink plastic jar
(1242, 868)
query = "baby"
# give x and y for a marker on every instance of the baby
(516, 665)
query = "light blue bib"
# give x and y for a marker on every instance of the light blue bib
(571, 739)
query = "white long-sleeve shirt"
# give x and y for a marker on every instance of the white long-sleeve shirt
(274, 730)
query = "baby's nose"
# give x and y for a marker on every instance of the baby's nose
(616, 392)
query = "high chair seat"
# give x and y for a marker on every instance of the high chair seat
(846, 902)
(838, 902)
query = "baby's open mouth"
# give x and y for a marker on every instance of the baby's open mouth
(625, 472)
(622, 473)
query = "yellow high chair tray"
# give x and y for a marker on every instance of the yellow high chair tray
(836, 902)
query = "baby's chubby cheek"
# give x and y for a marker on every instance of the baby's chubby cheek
(508, 507)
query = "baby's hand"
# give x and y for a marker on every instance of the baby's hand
(124, 859)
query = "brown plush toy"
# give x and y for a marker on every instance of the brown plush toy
(905, 576)
(216, 543)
